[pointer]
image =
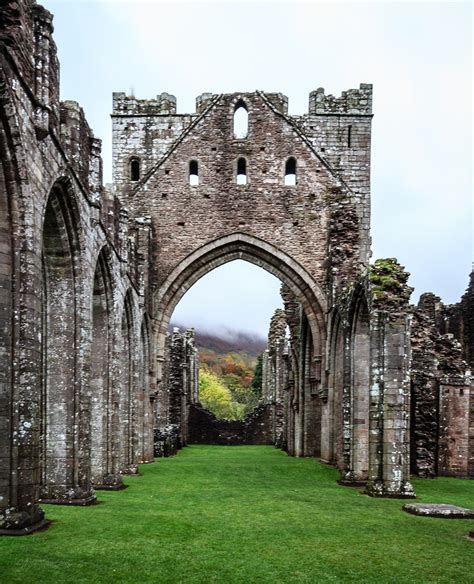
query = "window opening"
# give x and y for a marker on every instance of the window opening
(193, 173)
(349, 136)
(241, 120)
(241, 171)
(135, 169)
(290, 172)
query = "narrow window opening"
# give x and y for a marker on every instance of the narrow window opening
(134, 169)
(241, 171)
(290, 172)
(193, 173)
(349, 136)
(241, 120)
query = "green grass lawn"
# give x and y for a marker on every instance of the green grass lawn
(245, 514)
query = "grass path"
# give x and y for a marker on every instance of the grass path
(245, 514)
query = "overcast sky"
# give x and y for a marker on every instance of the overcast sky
(417, 55)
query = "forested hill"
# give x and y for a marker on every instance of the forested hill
(238, 343)
(228, 342)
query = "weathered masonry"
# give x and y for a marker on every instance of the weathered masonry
(91, 382)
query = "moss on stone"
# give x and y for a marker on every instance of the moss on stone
(389, 280)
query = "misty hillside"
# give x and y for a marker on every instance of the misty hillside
(228, 341)
(228, 375)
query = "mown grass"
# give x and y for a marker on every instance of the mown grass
(245, 514)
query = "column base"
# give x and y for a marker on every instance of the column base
(131, 469)
(110, 483)
(350, 479)
(326, 461)
(394, 490)
(16, 522)
(75, 496)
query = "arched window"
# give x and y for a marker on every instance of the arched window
(241, 120)
(193, 173)
(241, 171)
(290, 172)
(135, 169)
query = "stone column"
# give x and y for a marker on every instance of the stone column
(389, 436)
(390, 356)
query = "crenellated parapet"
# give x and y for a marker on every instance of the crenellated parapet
(129, 105)
(352, 101)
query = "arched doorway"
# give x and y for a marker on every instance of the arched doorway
(126, 400)
(298, 282)
(63, 479)
(360, 389)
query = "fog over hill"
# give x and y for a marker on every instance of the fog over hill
(227, 340)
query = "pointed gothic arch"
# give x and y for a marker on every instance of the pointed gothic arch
(100, 374)
(145, 401)
(125, 400)
(358, 395)
(61, 465)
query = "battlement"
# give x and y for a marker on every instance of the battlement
(164, 104)
(203, 101)
(352, 101)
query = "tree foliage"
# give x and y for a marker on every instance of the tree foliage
(258, 376)
(225, 383)
(216, 397)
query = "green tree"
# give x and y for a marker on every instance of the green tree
(216, 397)
(258, 376)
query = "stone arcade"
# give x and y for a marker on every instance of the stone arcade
(90, 276)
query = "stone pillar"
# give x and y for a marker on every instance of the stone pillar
(390, 356)
(389, 441)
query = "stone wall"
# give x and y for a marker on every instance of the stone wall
(312, 235)
(458, 319)
(180, 384)
(275, 371)
(74, 406)
(256, 428)
(189, 216)
(442, 430)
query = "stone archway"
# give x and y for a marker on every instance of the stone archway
(288, 271)
(256, 251)
(62, 478)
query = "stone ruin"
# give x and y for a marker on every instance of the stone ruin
(92, 384)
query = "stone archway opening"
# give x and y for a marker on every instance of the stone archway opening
(229, 310)
(304, 366)
(60, 473)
